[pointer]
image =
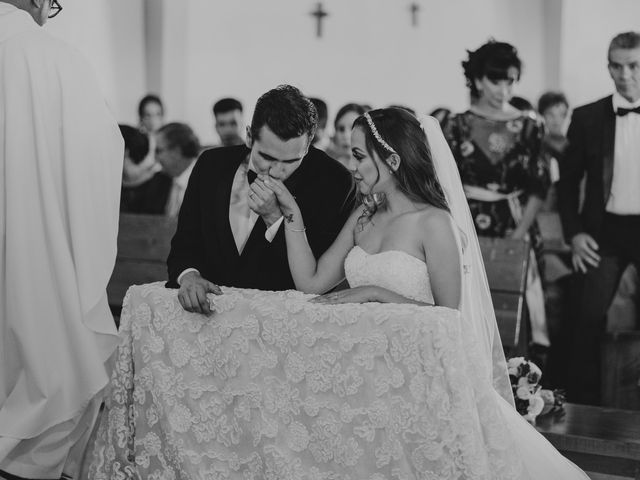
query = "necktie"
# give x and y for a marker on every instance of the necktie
(621, 112)
(175, 200)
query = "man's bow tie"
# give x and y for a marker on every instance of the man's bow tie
(251, 176)
(621, 112)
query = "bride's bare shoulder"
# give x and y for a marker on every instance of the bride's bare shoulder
(431, 217)
(436, 226)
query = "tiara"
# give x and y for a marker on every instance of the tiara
(376, 134)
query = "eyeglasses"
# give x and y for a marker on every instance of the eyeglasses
(55, 9)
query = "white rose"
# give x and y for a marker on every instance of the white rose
(536, 404)
(524, 393)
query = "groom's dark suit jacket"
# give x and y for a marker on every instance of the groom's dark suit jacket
(323, 189)
(591, 138)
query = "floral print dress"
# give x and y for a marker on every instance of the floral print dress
(502, 156)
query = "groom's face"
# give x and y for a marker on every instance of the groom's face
(275, 157)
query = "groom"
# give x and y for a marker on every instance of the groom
(230, 231)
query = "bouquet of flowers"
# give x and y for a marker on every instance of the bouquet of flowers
(531, 400)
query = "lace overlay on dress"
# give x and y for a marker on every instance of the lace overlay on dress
(274, 387)
(394, 270)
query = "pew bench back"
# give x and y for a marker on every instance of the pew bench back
(144, 242)
(506, 262)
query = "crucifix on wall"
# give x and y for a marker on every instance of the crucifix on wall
(415, 8)
(319, 13)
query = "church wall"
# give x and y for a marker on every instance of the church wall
(110, 34)
(369, 51)
(588, 27)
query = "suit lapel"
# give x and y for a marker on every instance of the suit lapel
(608, 144)
(221, 202)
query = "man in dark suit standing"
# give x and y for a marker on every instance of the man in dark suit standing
(229, 230)
(604, 145)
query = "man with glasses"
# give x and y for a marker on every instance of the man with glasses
(60, 187)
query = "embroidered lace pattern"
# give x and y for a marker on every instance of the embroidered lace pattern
(274, 387)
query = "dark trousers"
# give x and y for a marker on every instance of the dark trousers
(619, 245)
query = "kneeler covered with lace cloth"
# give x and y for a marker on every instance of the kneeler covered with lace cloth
(272, 386)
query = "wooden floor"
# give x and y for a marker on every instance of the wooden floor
(600, 440)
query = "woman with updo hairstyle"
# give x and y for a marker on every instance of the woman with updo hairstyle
(340, 147)
(503, 166)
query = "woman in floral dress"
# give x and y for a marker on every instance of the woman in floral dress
(501, 161)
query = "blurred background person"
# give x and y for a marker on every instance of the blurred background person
(177, 148)
(150, 113)
(340, 148)
(229, 121)
(136, 149)
(554, 108)
(321, 139)
(151, 118)
(498, 149)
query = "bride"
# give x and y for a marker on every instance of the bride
(401, 376)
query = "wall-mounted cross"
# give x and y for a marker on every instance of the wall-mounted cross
(319, 13)
(415, 8)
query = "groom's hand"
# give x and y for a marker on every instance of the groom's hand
(193, 293)
(264, 202)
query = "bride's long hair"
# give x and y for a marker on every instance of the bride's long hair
(416, 175)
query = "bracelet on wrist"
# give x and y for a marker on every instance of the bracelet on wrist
(299, 230)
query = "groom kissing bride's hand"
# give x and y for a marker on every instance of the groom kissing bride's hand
(231, 230)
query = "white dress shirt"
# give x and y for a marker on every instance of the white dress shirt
(241, 218)
(625, 194)
(177, 191)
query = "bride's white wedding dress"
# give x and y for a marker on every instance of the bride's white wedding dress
(274, 387)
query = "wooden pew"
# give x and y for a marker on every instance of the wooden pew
(506, 262)
(621, 370)
(599, 440)
(551, 231)
(143, 245)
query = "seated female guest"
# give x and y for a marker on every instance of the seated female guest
(340, 147)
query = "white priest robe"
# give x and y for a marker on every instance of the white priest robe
(60, 170)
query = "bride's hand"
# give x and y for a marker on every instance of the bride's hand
(362, 294)
(286, 201)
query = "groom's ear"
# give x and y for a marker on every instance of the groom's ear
(249, 138)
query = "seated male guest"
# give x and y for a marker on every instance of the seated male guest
(230, 231)
(177, 148)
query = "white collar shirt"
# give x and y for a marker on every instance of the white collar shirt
(625, 194)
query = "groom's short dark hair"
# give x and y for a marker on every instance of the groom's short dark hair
(287, 113)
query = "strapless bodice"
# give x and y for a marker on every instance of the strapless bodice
(394, 270)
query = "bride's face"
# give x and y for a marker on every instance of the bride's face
(369, 172)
